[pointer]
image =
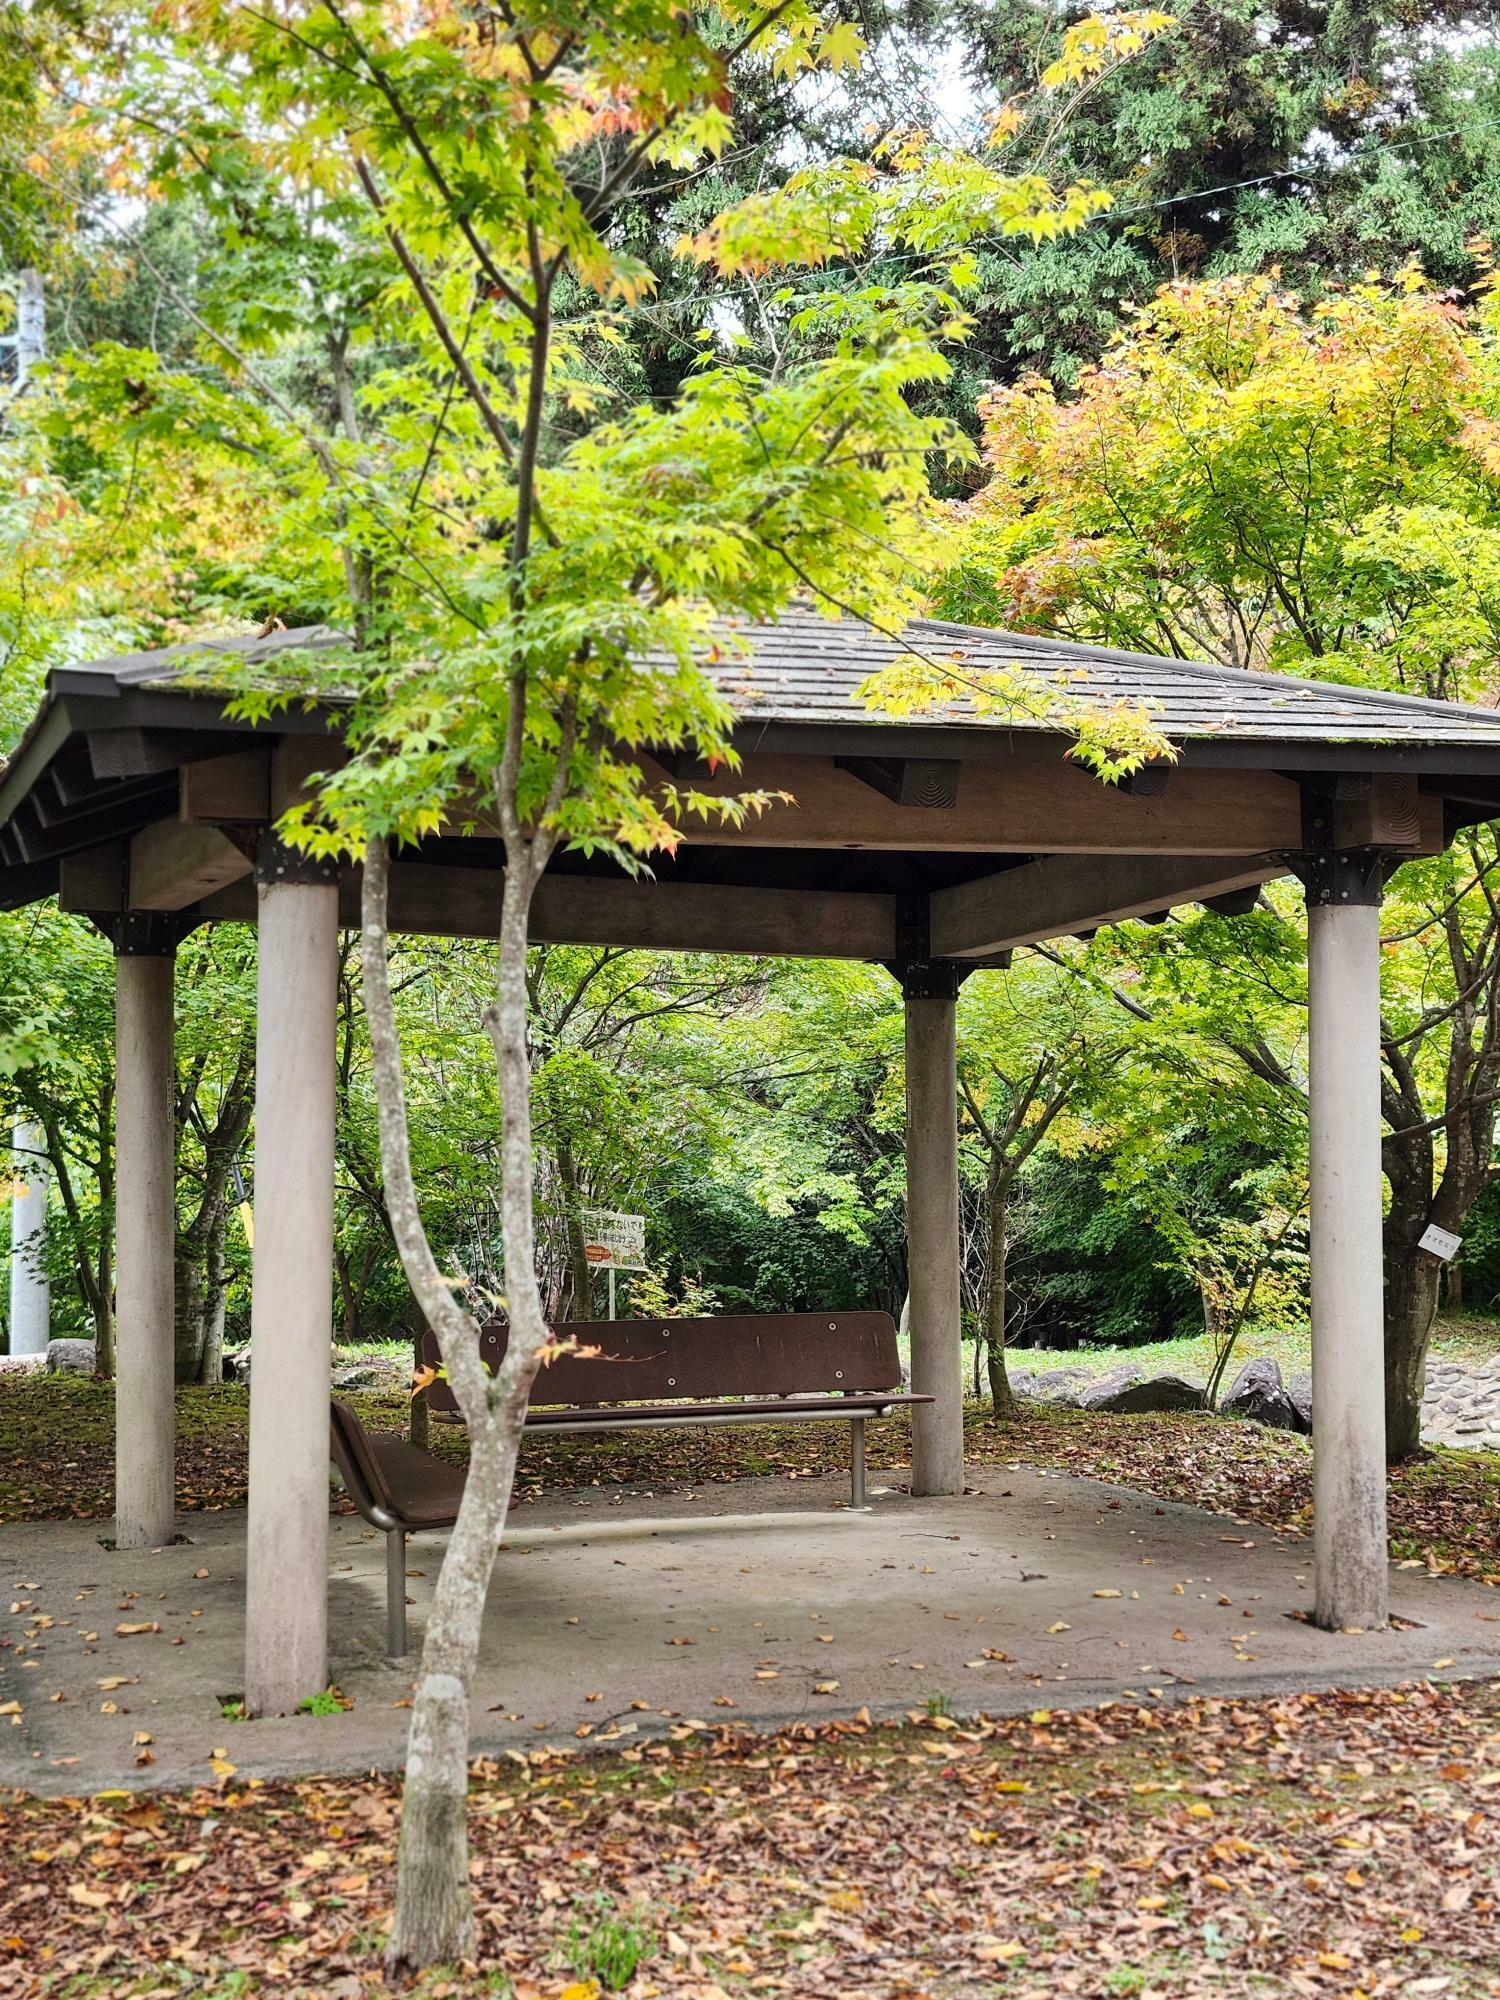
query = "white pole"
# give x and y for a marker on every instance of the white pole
(937, 1464)
(1349, 1476)
(145, 1230)
(30, 1294)
(31, 325)
(611, 1291)
(291, 1299)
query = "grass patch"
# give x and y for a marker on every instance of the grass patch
(1462, 1338)
(606, 1945)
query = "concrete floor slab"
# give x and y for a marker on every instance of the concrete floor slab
(612, 1617)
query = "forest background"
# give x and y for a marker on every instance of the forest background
(1294, 268)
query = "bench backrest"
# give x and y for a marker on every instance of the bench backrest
(358, 1466)
(667, 1360)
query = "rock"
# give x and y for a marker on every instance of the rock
(1055, 1385)
(1157, 1392)
(1259, 1394)
(70, 1357)
(357, 1377)
(1099, 1392)
(236, 1364)
(1300, 1391)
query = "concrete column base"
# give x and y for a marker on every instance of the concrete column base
(145, 1246)
(1349, 1474)
(937, 1464)
(291, 1309)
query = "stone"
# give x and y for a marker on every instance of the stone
(356, 1377)
(1300, 1391)
(1099, 1392)
(1157, 1392)
(70, 1357)
(1259, 1395)
(1057, 1385)
(236, 1364)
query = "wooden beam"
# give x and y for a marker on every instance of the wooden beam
(1058, 896)
(95, 880)
(1386, 809)
(227, 791)
(173, 865)
(648, 916)
(1036, 804)
(930, 783)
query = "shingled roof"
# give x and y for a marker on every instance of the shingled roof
(808, 668)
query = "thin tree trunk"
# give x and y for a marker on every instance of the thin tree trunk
(419, 1417)
(434, 1921)
(580, 1302)
(215, 1299)
(104, 1270)
(1002, 1398)
(1453, 1287)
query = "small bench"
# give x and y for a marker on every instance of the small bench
(399, 1490)
(648, 1375)
(655, 1374)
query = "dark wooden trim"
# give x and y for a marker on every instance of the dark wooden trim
(647, 916)
(1062, 895)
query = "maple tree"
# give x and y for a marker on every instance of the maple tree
(418, 206)
(1305, 490)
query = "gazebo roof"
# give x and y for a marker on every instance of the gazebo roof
(807, 668)
(936, 833)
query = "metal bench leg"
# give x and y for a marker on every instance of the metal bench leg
(395, 1592)
(856, 1462)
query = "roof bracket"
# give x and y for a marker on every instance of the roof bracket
(1149, 782)
(928, 782)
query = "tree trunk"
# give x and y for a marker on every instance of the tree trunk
(1411, 1294)
(215, 1299)
(434, 1920)
(1453, 1286)
(190, 1301)
(580, 1301)
(418, 1422)
(1002, 1399)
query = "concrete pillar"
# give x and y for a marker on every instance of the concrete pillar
(30, 1294)
(291, 1307)
(1349, 1478)
(931, 992)
(145, 1234)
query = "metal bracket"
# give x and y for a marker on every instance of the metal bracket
(1342, 875)
(145, 933)
(278, 864)
(930, 978)
(1335, 875)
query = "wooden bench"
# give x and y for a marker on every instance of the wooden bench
(662, 1374)
(648, 1375)
(399, 1490)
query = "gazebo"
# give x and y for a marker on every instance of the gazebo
(932, 844)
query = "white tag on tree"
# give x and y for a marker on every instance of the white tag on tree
(1440, 1242)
